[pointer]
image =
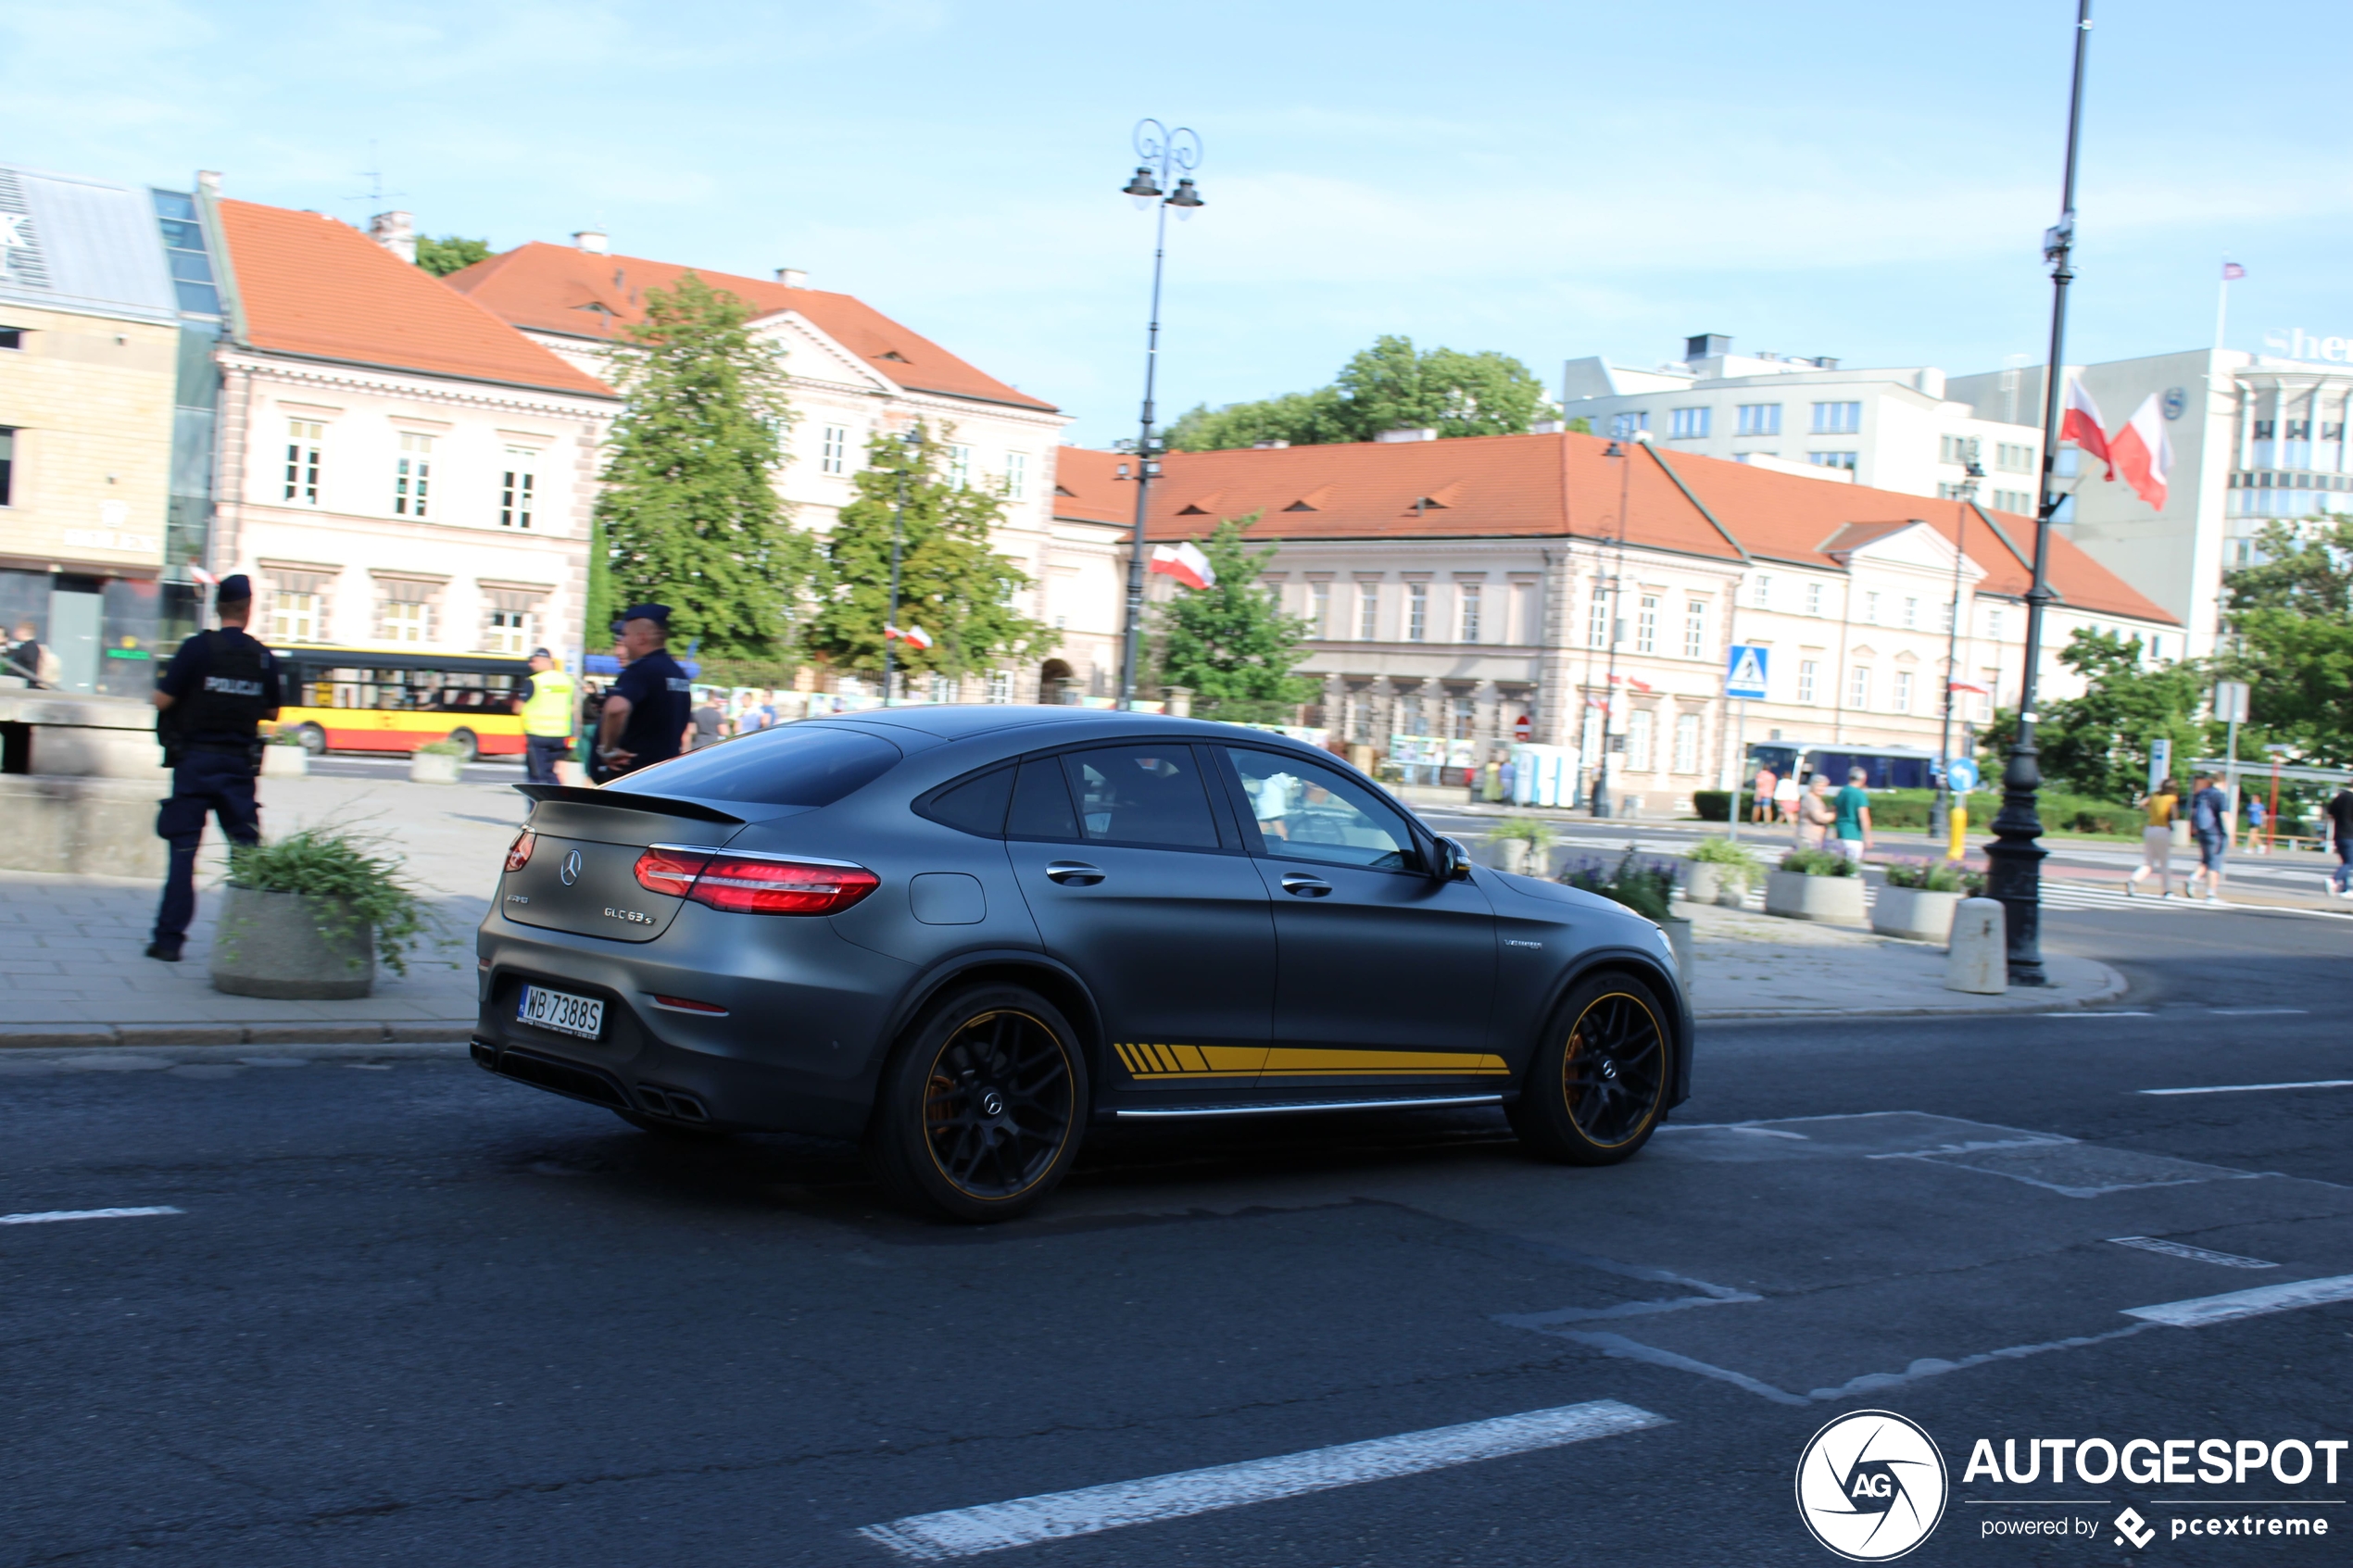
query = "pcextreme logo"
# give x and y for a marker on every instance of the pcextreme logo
(1871, 1485)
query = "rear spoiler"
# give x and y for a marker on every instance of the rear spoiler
(625, 800)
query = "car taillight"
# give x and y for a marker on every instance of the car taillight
(754, 885)
(518, 852)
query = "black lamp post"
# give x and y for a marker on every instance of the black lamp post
(1163, 152)
(911, 441)
(2014, 860)
(1623, 452)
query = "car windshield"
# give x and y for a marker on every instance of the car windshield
(806, 765)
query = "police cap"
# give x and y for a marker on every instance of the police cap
(658, 614)
(235, 587)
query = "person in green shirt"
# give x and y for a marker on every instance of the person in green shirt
(1853, 806)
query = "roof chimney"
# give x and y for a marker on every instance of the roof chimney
(397, 232)
(1408, 433)
(1706, 346)
(792, 277)
(593, 241)
(1271, 443)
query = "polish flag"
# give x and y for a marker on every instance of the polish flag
(1185, 563)
(914, 636)
(1965, 686)
(2082, 425)
(2140, 450)
(201, 575)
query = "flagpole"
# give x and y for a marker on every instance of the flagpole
(2221, 303)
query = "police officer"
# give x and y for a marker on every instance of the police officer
(546, 716)
(212, 698)
(647, 713)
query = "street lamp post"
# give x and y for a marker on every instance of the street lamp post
(911, 441)
(1163, 152)
(1940, 813)
(2014, 869)
(1623, 452)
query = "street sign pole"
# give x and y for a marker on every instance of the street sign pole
(1745, 670)
(1739, 766)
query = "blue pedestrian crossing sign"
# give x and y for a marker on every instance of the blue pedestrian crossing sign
(1745, 670)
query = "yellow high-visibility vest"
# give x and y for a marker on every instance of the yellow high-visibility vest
(549, 710)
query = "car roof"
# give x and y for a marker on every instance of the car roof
(965, 721)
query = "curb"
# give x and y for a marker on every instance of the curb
(2113, 988)
(54, 1036)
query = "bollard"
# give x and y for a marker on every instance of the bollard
(1978, 959)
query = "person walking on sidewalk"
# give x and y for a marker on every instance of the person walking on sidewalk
(1853, 816)
(547, 718)
(211, 701)
(2157, 842)
(1785, 792)
(1761, 798)
(2210, 825)
(2340, 815)
(1815, 814)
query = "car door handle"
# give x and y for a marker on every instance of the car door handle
(1073, 873)
(1300, 886)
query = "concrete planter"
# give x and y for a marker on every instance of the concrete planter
(432, 767)
(1710, 882)
(270, 945)
(1511, 855)
(284, 762)
(1679, 936)
(1835, 900)
(1916, 913)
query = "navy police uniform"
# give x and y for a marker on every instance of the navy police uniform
(222, 684)
(661, 699)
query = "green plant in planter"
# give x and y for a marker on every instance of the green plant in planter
(286, 737)
(1645, 887)
(357, 889)
(1534, 832)
(1740, 863)
(1936, 876)
(442, 748)
(1819, 862)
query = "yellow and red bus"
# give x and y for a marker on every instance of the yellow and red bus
(366, 699)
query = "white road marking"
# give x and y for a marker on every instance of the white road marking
(2255, 1012)
(2194, 1254)
(2254, 1088)
(2200, 1310)
(968, 1531)
(2079, 1012)
(54, 1215)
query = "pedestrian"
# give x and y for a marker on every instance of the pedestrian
(644, 718)
(2255, 842)
(2210, 825)
(547, 710)
(28, 659)
(1852, 821)
(2157, 842)
(1507, 780)
(1816, 814)
(2340, 816)
(1785, 791)
(211, 701)
(706, 722)
(1761, 801)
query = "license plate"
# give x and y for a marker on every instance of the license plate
(561, 1011)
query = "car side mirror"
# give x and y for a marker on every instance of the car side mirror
(1451, 861)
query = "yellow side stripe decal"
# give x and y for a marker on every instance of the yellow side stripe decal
(1157, 1061)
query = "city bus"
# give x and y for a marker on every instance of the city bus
(366, 699)
(1884, 767)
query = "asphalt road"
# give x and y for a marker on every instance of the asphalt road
(409, 1313)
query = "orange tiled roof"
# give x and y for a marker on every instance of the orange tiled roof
(1088, 488)
(1502, 486)
(313, 287)
(584, 294)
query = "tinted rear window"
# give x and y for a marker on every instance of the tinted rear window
(974, 805)
(797, 765)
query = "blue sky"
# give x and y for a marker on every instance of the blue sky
(1864, 181)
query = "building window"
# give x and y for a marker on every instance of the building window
(1319, 609)
(1462, 718)
(2300, 430)
(1832, 459)
(1760, 589)
(1368, 611)
(1472, 593)
(1688, 424)
(1858, 686)
(960, 466)
(1695, 629)
(1837, 419)
(1597, 622)
(1944, 616)
(1017, 476)
(1416, 611)
(2013, 456)
(508, 632)
(518, 488)
(1990, 680)
(1903, 691)
(1357, 713)
(412, 477)
(293, 618)
(1993, 624)
(1911, 613)
(1759, 419)
(303, 439)
(2266, 429)
(1687, 743)
(1646, 625)
(1623, 426)
(1806, 670)
(407, 622)
(1956, 449)
(1411, 719)
(8, 467)
(1638, 740)
(1812, 599)
(833, 450)
(1870, 610)
(2018, 501)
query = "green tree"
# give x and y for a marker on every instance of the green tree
(950, 583)
(600, 608)
(1391, 385)
(1230, 643)
(689, 506)
(2098, 744)
(2291, 623)
(451, 253)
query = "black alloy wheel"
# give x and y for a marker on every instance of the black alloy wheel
(980, 1109)
(1598, 1085)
